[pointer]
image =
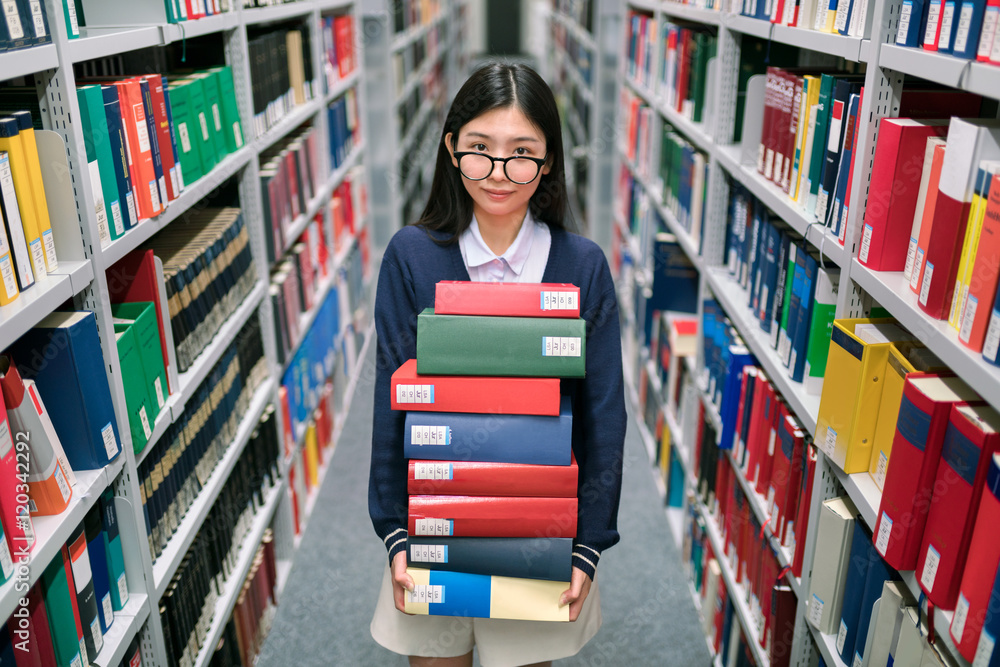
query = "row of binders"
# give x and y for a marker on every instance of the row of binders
(25, 23)
(189, 603)
(147, 140)
(939, 224)
(850, 18)
(477, 508)
(64, 618)
(178, 467)
(965, 29)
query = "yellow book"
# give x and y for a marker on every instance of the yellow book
(11, 141)
(852, 389)
(14, 228)
(973, 230)
(31, 159)
(810, 96)
(312, 455)
(665, 442)
(443, 593)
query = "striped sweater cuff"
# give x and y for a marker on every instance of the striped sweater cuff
(395, 542)
(586, 559)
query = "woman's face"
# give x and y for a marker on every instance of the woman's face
(503, 132)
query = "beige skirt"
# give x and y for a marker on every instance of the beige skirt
(501, 643)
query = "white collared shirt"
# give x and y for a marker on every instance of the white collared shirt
(523, 262)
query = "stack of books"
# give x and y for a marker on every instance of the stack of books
(965, 29)
(492, 477)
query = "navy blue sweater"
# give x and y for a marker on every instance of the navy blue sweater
(411, 267)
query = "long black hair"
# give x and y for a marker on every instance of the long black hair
(494, 86)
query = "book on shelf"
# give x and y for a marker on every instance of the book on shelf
(59, 592)
(97, 561)
(141, 414)
(280, 74)
(982, 273)
(831, 564)
(443, 593)
(19, 206)
(916, 451)
(115, 561)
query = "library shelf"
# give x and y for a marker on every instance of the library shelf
(126, 625)
(892, 292)
(177, 32)
(307, 318)
(311, 500)
(322, 197)
(45, 296)
(341, 86)
(695, 132)
(776, 200)
(295, 117)
(942, 618)
(582, 86)
(355, 378)
(578, 31)
(283, 568)
(334, 5)
(644, 5)
(22, 62)
(861, 489)
(827, 645)
(415, 128)
(231, 590)
(166, 564)
(734, 299)
(675, 518)
(689, 13)
(968, 75)
(402, 40)
(51, 532)
(849, 48)
(696, 598)
(417, 76)
(192, 194)
(282, 12)
(734, 589)
(759, 506)
(100, 42)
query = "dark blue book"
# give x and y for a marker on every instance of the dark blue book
(769, 276)
(527, 557)
(173, 137)
(448, 436)
(805, 281)
(991, 344)
(879, 572)
(64, 350)
(94, 531)
(753, 245)
(7, 658)
(969, 20)
(949, 24)
(119, 155)
(113, 550)
(912, 20)
(675, 278)
(780, 282)
(739, 357)
(841, 197)
(675, 487)
(147, 109)
(18, 29)
(858, 565)
(839, 109)
(745, 424)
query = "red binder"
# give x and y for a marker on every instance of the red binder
(980, 567)
(774, 418)
(985, 273)
(797, 539)
(33, 630)
(171, 170)
(494, 395)
(757, 440)
(453, 297)
(786, 476)
(472, 478)
(969, 445)
(916, 450)
(492, 516)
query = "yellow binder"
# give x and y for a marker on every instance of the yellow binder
(27, 132)
(11, 141)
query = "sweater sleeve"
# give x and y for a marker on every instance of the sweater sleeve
(601, 413)
(396, 331)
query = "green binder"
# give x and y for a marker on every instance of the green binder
(140, 418)
(213, 111)
(67, 643)
(142, 316)
(204, 131)
(95, 137)
(506, 346)
(188, 137)
(232, 129)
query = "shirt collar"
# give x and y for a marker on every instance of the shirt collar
(478, 253)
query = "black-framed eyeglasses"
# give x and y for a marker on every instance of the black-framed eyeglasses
(519, 169)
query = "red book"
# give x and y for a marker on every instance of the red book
(916, 450)
(473, 478)
(757, 440)
(134, 278)
(892, 196)
(927, 216)
(932, 33)
(735, 444)
(67, 560)
(778, 11)
(774, 417)
(969, 444)
(171, 169)
(492, 516)
(33, 631)
(785, 95)
(789, 505)
(980, 567)
(797, 537)
(140, 150)
(343, 28)
(969, 142)
(988, 36)
(452, 393)
(684, 67)
(789, 134)
(765, 152)
(786, 473)
(14, 515)
(782, 624)
(507, 299)
(985, 274)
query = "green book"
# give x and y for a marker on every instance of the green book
(134, 382)
(98, 145)
(821, 328)
(213, 110)
(231, 128)
(188, 138)
(784, 344)
(818, 157)
(113, 550)
(699, 62)
(200, 125)
(67, 642)
(506, 346)
(142, 316)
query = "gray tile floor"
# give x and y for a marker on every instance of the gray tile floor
(323, 616)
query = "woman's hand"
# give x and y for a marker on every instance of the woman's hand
(401, 581)
(574, 596)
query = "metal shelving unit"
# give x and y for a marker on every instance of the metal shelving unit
(81, 279)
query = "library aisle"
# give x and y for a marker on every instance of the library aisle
(326, 606)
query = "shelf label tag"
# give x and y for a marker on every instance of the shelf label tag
(429, 553)
(414, 393)
(961, 613)
(930, 568)
(435, 527)
(884, 531)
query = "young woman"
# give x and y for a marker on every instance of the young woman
(496, 213)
